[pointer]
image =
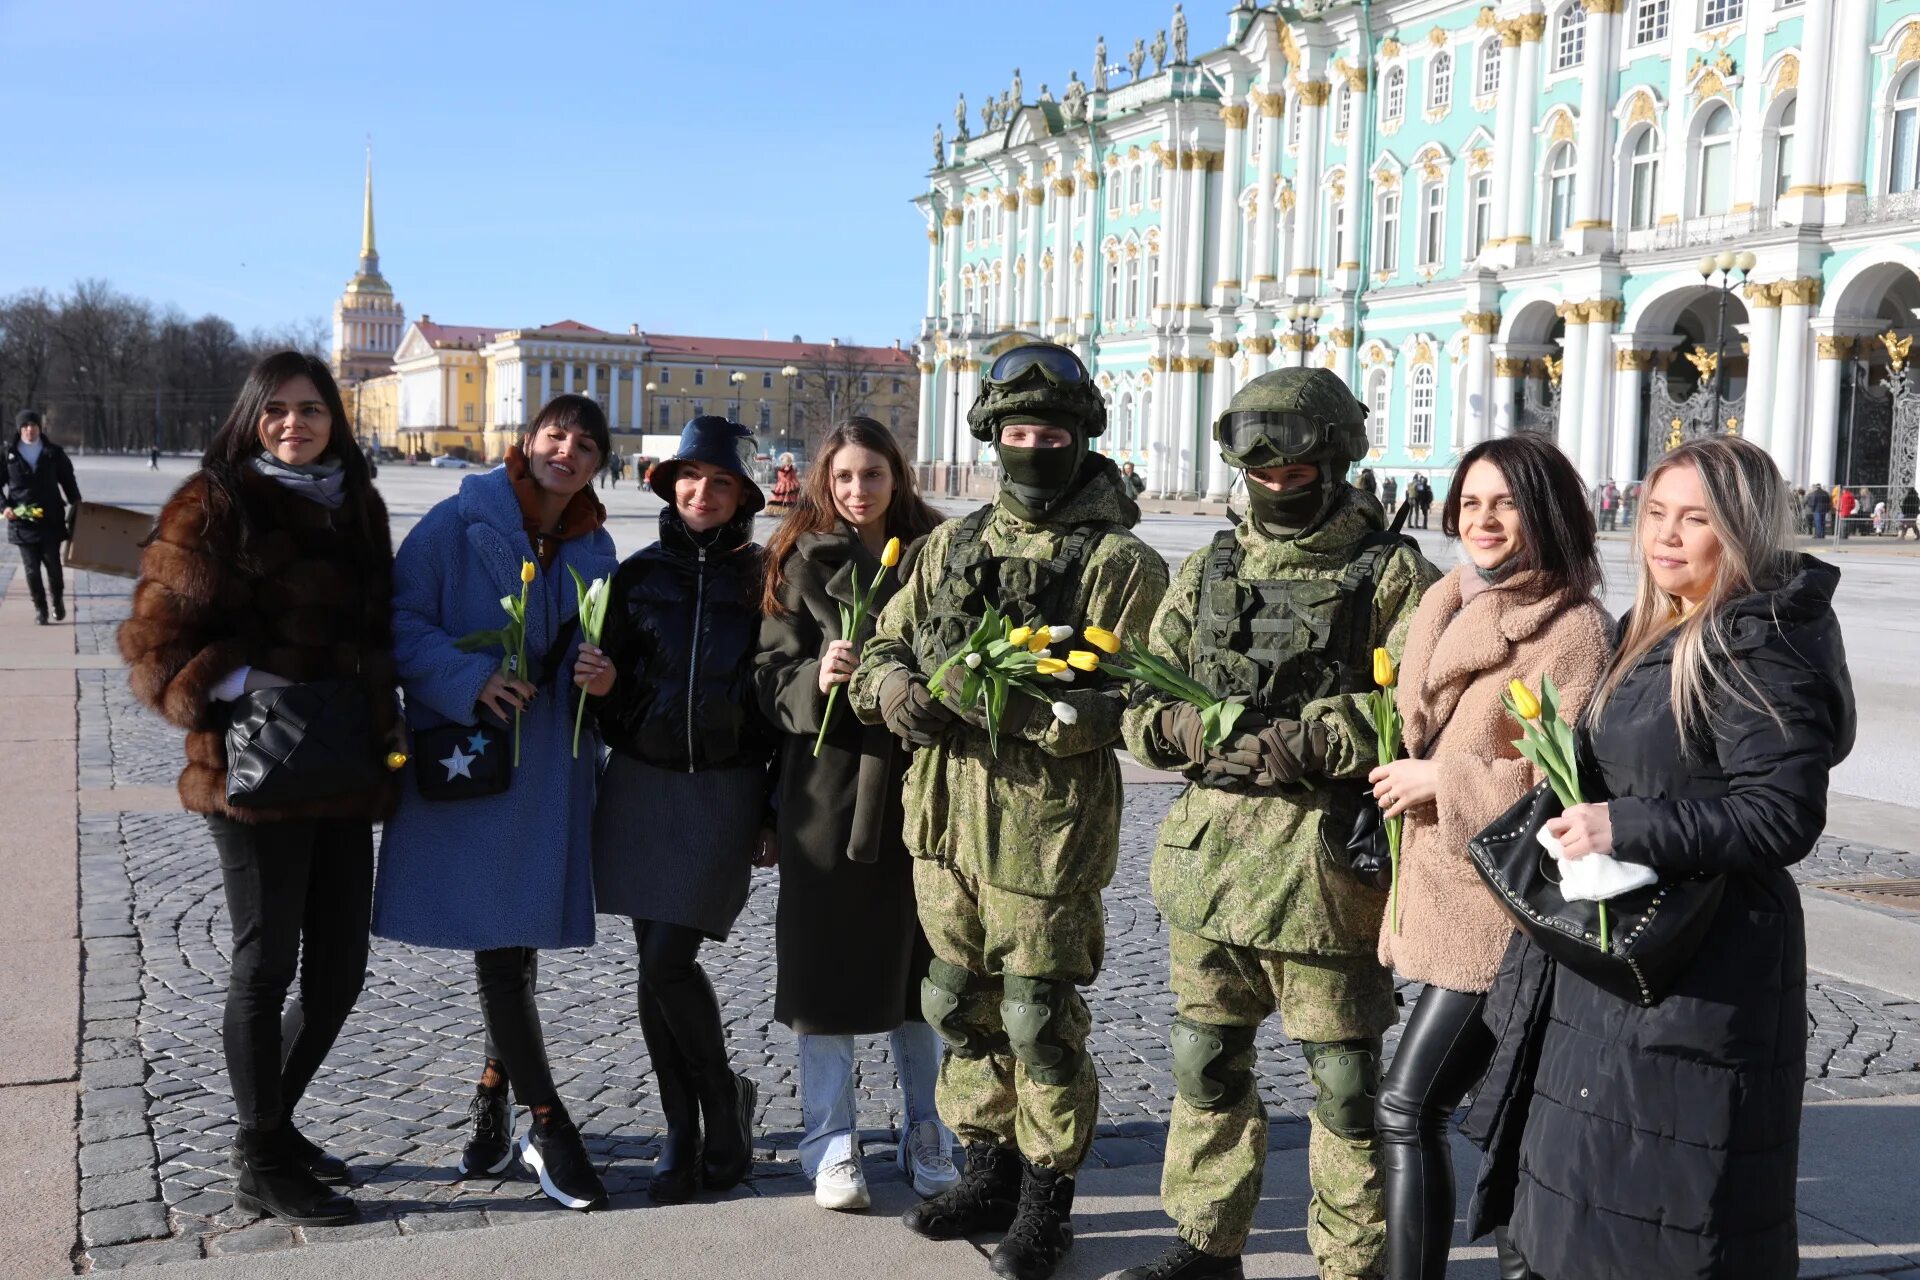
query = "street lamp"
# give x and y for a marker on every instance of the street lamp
(789, 372)
(1302, 317)
(1726, 265)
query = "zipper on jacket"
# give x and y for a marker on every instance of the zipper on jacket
(693, 648)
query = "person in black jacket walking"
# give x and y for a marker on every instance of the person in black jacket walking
(1664, 1141)
(37, 489)
(683, 813)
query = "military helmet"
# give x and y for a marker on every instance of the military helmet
(1293, 415)
(1042, 381)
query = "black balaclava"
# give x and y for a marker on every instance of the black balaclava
(1286, 513)
(1039, 480)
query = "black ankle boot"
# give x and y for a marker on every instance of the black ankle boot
(40, 615)
(676, 1170)
(1182, 1261)
(1512, 1265)
(59, 608)
(726, 1120)
(1042, 1230)
(331, 1170)
(985, 1199)
(274, 1181)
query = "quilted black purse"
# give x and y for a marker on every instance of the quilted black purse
(1653, 932)
(299, 744)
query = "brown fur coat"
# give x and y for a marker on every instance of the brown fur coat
(1455, 668)
(308, 596)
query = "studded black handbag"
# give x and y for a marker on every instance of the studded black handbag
(1654, 931)
(301, 743)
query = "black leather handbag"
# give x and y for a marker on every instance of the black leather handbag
(1653, 932)
(299, 744)
(1368, 856)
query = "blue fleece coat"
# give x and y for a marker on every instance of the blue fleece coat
(516, 869)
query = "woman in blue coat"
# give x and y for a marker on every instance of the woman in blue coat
(489, 873)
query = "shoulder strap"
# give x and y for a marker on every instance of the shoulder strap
(1223, 558)
(1361, 579)
(557, 652)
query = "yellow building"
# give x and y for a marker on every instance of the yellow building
(442, 378)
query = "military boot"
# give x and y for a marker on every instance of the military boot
(985, 1199)
(1184, 1262)
(1042, 1231)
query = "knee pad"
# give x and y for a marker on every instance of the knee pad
(943, 998)
(1346, 1078)
(1210, 1065)
(1032, 1011)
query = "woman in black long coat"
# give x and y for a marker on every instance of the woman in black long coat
(1638, 1142)
(37, 489)
(848, 940)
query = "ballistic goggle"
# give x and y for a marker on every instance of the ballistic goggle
(1290, 435)
(1060, 366)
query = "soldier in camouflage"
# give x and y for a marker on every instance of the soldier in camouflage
(1250, 869)
(1012, 852)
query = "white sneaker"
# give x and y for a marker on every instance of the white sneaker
(841, 1185)
(925, 1157)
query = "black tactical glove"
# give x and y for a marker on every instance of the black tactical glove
(1014, 721)
(1288, 750)
(909, 710)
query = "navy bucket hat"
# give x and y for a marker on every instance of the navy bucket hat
(717, 442)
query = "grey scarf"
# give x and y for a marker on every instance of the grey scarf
(324, 482)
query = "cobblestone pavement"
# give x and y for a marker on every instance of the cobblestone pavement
(155, 1123)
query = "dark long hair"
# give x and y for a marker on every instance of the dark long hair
(229, 454)
(908, 516)
(1556, 522)
(574, 410)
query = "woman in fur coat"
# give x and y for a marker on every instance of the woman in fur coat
(271, 566)
(1520, 608)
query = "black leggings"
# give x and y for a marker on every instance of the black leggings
(1443, 1052)
(676, 987)
(33, 557)
(508, 977)
(299, 898)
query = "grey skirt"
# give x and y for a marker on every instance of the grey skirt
(676, 847)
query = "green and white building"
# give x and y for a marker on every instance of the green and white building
(1484, 218)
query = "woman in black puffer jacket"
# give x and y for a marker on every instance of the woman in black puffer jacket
(1633, 1142)
(683, 816)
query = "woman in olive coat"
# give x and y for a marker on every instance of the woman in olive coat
(848, 941)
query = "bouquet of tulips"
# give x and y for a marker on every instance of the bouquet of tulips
(851, 620)
(28, 511)
(1002, 660)
(1140, 666)
(1387, 731)
(592, 599)
(512, 639)
(1547, 740)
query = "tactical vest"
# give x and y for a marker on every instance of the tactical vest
(1026, 590)
(1285, 642)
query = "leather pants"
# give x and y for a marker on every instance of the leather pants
(1443, 1052)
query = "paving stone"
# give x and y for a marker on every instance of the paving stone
(145, 1220)
(114, 1189)
(145, 1254)
(261, 1237)
(118, 1155)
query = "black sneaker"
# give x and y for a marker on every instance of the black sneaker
(1184, 1262)
(985, 1199)
(490, 1146)
(554, 1152)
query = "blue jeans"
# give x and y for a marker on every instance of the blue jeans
(827, 1109)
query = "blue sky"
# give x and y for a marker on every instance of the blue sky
(712, 168)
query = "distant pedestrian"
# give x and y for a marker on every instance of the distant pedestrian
(1388, 492)
(279, 524)
(153, 459)
(848, 941)
(1844, 506)
(1879, 517)
(1910, 514)
(1609, 505)
(1797, 506)
(1820, 508)
(616, 466)
(1136, 483)
(1663, 1139)
(37, 488)
(1422, 497)
(786, 487)
(1629, 500)
(1368, 483)
(684, 811)
(504, 872)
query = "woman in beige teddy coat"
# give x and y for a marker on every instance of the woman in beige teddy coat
(1521, 607)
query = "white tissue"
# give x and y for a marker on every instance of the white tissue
(1596, 877)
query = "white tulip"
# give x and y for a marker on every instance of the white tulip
(973, 662)
(1064, 676)
(1064, 713)
(1057, 634)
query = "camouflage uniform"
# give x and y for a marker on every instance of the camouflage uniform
(1013, 851)
(1262, 911)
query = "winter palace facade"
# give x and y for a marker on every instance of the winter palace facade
(1621, 222)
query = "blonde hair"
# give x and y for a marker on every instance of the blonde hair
(1750, 513)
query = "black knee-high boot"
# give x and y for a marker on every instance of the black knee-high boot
(676, 1170)
(692, 1015)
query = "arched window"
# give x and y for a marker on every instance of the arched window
(1481, 228)
(1293, 123)
(1393, 95)
(1386, 258)
(1377, 408)
(1570, 38)
(1142, 420)
(1713, 183)
(1343, 110)
(1780, 154)
(1336, 234)
(1123, 417)
(1133, 288)
(971, 223)
(1489, 67)
(1113, 289)
(966, 294)
(1250, 210)
(1903, 163)
(1559, 192)
(1643, 178)
(1433, 221)
(1153, 277)
(1420, 408)
(1135, 177)
(1155, 168)
(1440, 82)
(1079, 282)
(1113, 191)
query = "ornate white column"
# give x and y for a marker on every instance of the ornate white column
(1520, 172)
(950, 225)
(932, 310)
(1192, 176)
(1763, 347)
(613, 395)
(1571, 427)
(1034, 197)
(1271, 106)
(1349, 272)
(1803, 201)
(1793, 353)
(1259, 349)
(925, 442)
(546, 384)
(1303, 275)
(1592, 230)
(1089, 250)
(1508, 370)
(1478, 371)
(1228, 220)
(1596, 416)
(1060, 323)
(1832, 351)
(1847, 128)
(1008, 294)
(1505, 125)
(1223, 348)
(1630, 367)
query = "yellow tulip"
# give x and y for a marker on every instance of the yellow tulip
(1019, 635)
(1084, 660)
(526, 571)
(890, 555)
(1049, 666)
(1102, 639)
(1039, 641)
(1384, 672)
(396, 761)
(1523, 701)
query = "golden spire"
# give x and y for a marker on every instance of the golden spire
(366, 225)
